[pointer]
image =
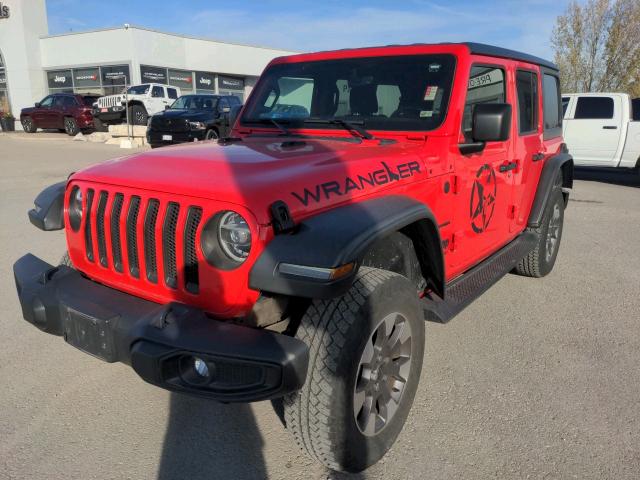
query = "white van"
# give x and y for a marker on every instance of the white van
(602, 129)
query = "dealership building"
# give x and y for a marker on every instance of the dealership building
(34, 63)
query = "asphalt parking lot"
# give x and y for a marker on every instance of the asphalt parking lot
(536, 379)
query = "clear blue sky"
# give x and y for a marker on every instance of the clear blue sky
(325, 24)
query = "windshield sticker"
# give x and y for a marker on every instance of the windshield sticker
(378, 177)
(434, 67)
(430, 93)
(426, 113)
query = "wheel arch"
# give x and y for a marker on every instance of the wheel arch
(365, 227)
(561, 163)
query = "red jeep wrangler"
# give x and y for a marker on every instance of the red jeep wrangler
(361, 193)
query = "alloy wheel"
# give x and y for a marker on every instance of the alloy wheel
(382, 374)
(553, 232)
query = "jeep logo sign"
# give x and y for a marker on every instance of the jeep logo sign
(60, 79)
(4, 11)
(205, 81)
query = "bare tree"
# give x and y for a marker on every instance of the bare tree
(597, 46)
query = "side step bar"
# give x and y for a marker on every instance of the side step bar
(463, 290)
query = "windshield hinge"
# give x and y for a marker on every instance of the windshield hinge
(281, 216)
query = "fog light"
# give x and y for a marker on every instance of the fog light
(200, 367)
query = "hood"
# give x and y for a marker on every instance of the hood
(192, 115)
(308, 174)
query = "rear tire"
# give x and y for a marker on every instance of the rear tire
(71, 126)
(542, 258)
(28, 125)
(361, 382)
(138, 115)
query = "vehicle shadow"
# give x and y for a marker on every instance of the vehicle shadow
(209, 440)
(625, 178)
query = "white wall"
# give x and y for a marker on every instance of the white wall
(20, 45)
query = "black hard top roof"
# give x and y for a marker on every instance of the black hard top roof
(491, 51)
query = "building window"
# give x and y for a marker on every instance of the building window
(4, 92)
(181, 79)
(102, 80)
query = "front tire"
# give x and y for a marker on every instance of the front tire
(28, 125)
(138, 115)
(540, 261)
(366, 351)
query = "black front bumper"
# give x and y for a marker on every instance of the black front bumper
(111, 114)
(160, 342)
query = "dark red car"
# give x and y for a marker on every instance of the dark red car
(66, 112)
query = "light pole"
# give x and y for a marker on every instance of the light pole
(126, 105)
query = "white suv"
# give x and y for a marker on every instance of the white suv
(143, 100)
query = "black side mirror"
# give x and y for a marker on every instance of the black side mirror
(37, 105)
(491, 122)
(233, 114)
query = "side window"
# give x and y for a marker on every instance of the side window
(70, 102)
(47, 102)
(594, 108)
(565, 104)
(635, 107)
(60, 102)
(527, 90)
(172, 93)
(486, 85)
(157, 92)
(552, 107)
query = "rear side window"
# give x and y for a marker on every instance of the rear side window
(172, 92)
(157, 92)
(527, 90)
(552, 106)
(486, 85)
(594, 108)
(565, 105)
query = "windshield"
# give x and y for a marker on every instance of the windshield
(380, 93)
(138, 90)
(194, 102)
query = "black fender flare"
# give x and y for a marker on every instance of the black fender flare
(339, 237)
(560, 162)
(48, 213)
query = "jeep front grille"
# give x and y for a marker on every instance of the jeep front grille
(147, 230)
(110, 101)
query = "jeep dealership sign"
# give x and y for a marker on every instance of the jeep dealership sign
(4, 11)
(205, 81)
(60, 79)
(87, 77)
(230, 83)
(153, 74)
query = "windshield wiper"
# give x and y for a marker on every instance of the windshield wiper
(352, 126)
(277, 123)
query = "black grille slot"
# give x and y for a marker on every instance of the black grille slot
(102, 241)
(88, 237)
(116, 247)
(150, 220)
(132, 237)
(191, 279)
(169, 245)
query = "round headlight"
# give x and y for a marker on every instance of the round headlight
(75, 208)
(226, 240)
(234, 236)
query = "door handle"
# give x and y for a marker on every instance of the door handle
(537, 157)
(610, 127)
(505, 167)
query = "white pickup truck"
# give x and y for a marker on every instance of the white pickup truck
(602, 129)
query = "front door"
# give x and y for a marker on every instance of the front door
(483, 188)
(40, 114)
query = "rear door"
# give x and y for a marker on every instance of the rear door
(593, 129)
(527, 143)
(484, 186)
(156, 101)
